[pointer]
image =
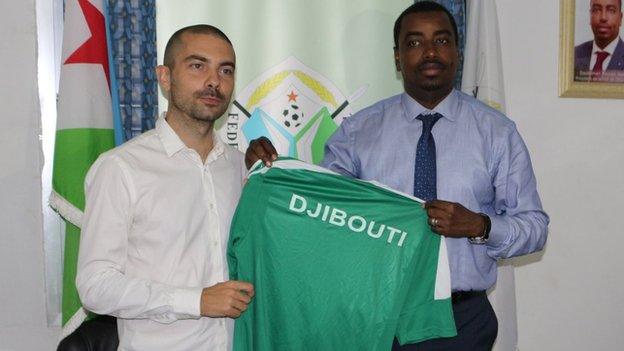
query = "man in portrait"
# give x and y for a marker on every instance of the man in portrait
(602, 59)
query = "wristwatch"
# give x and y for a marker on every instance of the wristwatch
(483, 238)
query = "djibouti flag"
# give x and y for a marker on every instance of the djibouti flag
(84, 130)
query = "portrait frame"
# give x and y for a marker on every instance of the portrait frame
(568, 86)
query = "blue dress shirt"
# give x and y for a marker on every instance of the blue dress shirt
(482, 163)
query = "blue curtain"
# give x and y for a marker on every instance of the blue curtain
(133, 31)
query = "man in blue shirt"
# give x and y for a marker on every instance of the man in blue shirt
(469, 163)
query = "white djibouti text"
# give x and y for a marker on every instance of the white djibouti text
(340, 218)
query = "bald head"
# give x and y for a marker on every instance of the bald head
(175, 42)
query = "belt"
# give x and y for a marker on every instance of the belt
(461, 296)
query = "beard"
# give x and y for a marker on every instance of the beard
(431, 85)
(189, 104)
(442, 81)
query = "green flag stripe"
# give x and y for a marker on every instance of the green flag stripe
(71, 301)
(74, 152)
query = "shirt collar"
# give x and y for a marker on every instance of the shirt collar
(609, 48)
(447, 108)
(172, 142)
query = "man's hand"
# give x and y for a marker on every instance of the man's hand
(227, 299)
(454, 220)
(260, 149)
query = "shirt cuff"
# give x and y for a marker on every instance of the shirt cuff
(187, 301)
(498, 232)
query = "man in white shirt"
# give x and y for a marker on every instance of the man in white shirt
(602, 59)
(158, 212)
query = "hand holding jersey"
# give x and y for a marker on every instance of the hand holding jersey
(227, 299)
(260, 149)
(454, 220)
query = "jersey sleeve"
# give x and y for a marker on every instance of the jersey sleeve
(240, 227)
(241, 255)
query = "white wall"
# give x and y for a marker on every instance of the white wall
(571, 297)
(23, 323)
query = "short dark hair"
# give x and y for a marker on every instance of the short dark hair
(419, 7)
(619, 1)
(176, 39)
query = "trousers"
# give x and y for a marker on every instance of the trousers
(477, 327)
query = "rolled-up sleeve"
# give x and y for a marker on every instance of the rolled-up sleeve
(519, 224)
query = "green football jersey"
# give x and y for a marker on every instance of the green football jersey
(337, 263)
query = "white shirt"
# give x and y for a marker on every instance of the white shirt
(154, 234)
(609, 48)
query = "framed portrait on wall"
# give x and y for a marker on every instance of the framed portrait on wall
(591, 57)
